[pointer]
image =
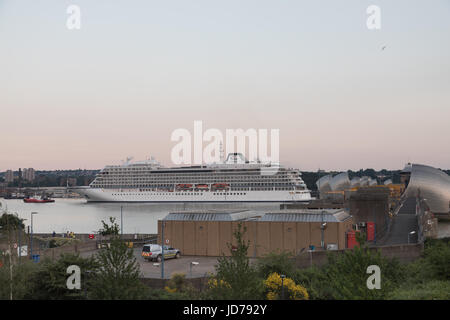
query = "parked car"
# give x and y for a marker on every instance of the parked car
(153, 252)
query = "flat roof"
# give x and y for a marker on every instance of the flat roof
(288, 215)
(307, 215)
(212, 215)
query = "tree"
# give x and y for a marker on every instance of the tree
(9, 221)
(235, 277)
(109, 230)
(345, 275)
(281, 263)
(49, 282)
(117, 277)
(437, 254)
(22, 279)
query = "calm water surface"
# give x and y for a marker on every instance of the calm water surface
(81, 217)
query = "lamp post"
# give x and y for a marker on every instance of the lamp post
(322, 228)
(410, 234)
(86, 275)
(121, 223)
(162, 249)
(282, 286)
(193, 263)
(31, 239)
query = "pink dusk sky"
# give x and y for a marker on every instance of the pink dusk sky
(342, 96)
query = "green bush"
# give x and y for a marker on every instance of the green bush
(315, 280)
(178, 284)
(437, 254)
(344, 277)
(432, 290)
(278, 262)
(240, 279)
(347, 274)
(162, 294)
(49, 281)
(22, 283)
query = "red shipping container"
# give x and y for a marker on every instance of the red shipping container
(370, 231)
(351, 239)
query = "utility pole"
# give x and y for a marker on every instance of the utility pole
(162, 249)
(20, 243)
(31, 239)
(322, 242)
(282, 286)
(10, 260)
(121, 223)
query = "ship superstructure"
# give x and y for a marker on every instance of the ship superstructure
(234, 180)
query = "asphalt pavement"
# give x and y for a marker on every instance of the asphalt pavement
(191, 266)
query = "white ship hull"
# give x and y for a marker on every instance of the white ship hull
(135, 195)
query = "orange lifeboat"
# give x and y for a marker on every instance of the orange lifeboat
(220, 186)
(184, 186)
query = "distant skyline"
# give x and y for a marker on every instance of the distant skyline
(342, 96)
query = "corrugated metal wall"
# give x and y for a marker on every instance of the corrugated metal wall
(210, 238)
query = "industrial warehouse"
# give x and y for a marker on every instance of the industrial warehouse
(208, 233)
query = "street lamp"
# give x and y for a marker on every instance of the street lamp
(410, 234)
(282, 286)
(121, 223)
(323, 226)
(193, 263)
(31, 241)
(86, 275)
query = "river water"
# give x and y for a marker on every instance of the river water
(79, 216)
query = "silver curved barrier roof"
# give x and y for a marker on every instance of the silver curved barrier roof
(372, 182)
(433, 185)
(387, 182)
(323, 184)
(340, 182)
(355, 182)
(407, 168)
(364, 181)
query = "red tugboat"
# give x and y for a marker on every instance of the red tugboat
(33, 200)
(43, 199)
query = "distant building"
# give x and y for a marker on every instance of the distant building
(9, 176)
(28, 174)
(68, 181)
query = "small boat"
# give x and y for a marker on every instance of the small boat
(34, 200)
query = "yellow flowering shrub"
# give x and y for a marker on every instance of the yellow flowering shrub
(213, 283)
(292, 291)
(177, 283)
(170, 290)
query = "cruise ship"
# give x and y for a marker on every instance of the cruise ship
(232, 180)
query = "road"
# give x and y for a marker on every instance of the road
(402, 224)
(182, 265)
